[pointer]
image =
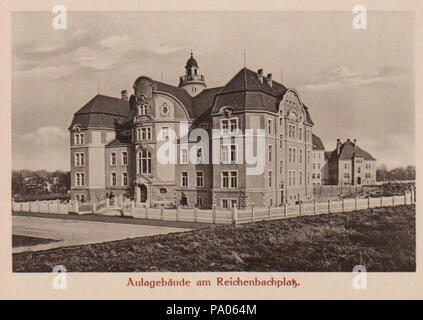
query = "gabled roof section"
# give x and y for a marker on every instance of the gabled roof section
(348, 151)
(317, 143)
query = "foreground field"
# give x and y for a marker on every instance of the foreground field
(381, 239)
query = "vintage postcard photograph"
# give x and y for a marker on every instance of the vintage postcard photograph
(249, 147)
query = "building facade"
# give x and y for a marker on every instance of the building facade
(349, 165)
(118, 144)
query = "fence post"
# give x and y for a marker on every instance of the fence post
(132, 207)
(146, 212)
(76, 206)
(195, 214)
(285, 210)
(214, 214)
(314, 206)
(393, 201)
(253, 212)
(178, 212)
(405, 197)
(234, 215)
(343, 208)
(368, 202)
(299, 209)
(161, 211)
(58, 205)
(38, 206)
(48, 206)
(20, 206)
(381, 201)
(329, 206)
(270, 212)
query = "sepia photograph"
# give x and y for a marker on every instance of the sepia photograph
(213, 141)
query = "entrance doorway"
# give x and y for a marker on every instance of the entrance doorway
(143, 193)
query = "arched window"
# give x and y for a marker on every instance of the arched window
(144, 161)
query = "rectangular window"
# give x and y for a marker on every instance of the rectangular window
(290, 155)
(225, 203)
(79, 138)
(294, 175)
(234, 125)
(124, 158)
(79, 179)
(234, 179)
(233, 153)
(76, 159)
(280, 167)
(200, 179)
(113, 181)
(318, 176)
(289, 178)
(225, 154)
(270, 179)
(294, 151)
(300, 178)
(225, 179)
(308, 156)
(269, 126)
(229, 125)
(313, 176)
(124, 178)
(300, 133)
(358, 170)
(184, 156)
(301, 156)
(113, 159)
(281, 141)
(146, 133)
(184, 180)
(234, 203)
(270, 153)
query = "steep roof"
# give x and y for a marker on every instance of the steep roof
(102, 111)
(348, 151)
(244, 91)
(317, 143)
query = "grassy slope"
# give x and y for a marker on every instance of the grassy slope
(381, 239)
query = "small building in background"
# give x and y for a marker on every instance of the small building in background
(349, 165)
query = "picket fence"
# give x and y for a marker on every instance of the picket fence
(216, 216)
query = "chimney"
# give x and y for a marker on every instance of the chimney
(338, 145)
(124, 94)
(355, 143)
(260, 75)
(269, 79)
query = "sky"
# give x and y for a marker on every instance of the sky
(358, 84)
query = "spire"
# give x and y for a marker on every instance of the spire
(193, 82)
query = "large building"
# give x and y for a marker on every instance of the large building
(117, 143)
